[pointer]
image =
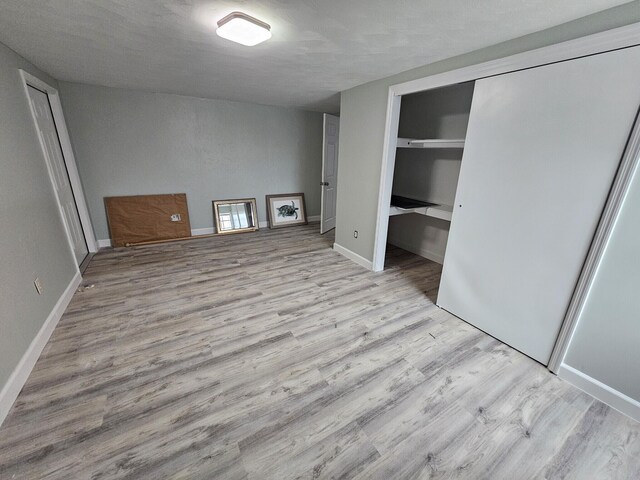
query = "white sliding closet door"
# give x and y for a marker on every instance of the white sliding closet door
(541, 152)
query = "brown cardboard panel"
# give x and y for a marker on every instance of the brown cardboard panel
(141, 218)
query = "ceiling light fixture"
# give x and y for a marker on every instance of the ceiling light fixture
(241, 28)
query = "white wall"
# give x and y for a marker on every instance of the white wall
(33, 240)
(132, 142)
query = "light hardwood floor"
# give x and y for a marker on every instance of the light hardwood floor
(270, 356)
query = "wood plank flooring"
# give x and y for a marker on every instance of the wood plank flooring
(270, 356)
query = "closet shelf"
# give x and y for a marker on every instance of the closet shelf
(430, 143)
(442, 212)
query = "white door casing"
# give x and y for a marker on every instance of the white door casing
(330, 134)
(67, 152)
(54, 158)
(542, 150)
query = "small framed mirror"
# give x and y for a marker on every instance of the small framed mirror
(235, 216)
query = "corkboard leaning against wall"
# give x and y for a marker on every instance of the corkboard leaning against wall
(143, 218)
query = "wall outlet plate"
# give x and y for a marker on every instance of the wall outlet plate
(176, 217)
(38, 284)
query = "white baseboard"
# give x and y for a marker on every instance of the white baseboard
(602, 392)
(20, 374)
(423, 252)
(106, 242)
(201, 231)
(353, 256)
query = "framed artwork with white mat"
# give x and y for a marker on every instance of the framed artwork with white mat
(286, 209)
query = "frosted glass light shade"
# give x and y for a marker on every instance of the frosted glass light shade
(241, 28)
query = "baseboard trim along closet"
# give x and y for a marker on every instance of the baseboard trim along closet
(599, 390)
(354, 257)
(19, 376)
(423, 252)
(106, 243)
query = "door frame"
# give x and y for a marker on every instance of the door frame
(614, 39)
(67, 152)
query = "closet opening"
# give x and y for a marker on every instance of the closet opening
(432, 126)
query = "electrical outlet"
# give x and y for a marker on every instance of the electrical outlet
(176, 217)
(355, 234)
(38, 284)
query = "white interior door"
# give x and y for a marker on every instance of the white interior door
(58, 171)
(541, 152)
(331, 133)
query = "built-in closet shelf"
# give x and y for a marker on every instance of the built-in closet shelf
(443, 212)
(430, 143)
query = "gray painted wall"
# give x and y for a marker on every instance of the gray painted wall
(606, 344)
(363, 113)
(33, 241)
(132, 142)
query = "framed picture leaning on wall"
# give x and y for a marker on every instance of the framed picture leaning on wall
(235, 216)
(286, 209)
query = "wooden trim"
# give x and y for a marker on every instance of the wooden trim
(18, 377)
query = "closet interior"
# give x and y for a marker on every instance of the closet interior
(431, 135)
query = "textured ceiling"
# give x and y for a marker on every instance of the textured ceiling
(319, 47)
